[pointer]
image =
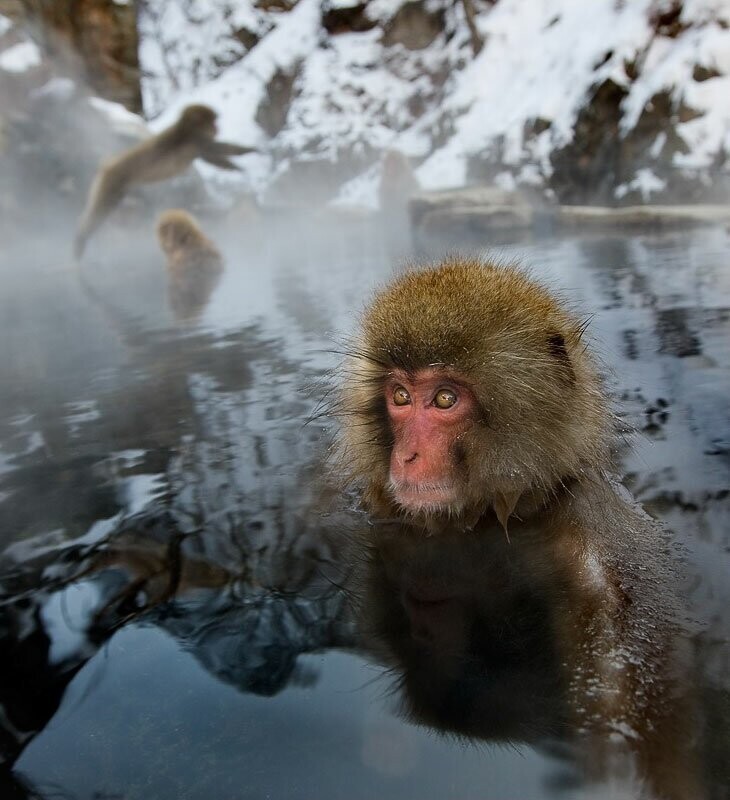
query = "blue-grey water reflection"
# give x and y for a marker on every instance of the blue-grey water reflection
(188, 611)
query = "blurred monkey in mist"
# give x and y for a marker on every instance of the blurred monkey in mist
(163, 156)
(194, 265)
(397, 182)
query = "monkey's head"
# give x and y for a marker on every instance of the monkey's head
(178, 230)
(199, 121)
(469, 388)
(185, 244)
(395, 163)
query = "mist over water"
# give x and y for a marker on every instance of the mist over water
(176, 612)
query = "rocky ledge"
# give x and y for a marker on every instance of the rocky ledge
(478, 210)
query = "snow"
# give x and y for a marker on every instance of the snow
(120, 119)
(20, 57)
(141, 490)
(58, 88)
(645, 182)
(66, 616)
(505, 181)
(5, 25)
(656, 148)
(702, 11)
(237, 93)
(361, 191)
(441, 106)
(538, 63)
(343, 3)
(183, 43)
(668, 67)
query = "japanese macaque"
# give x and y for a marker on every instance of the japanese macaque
(473, 413)
(194, 265)
(397, 182)
(471, 395)
(163, 156)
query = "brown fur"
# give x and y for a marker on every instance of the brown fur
(526, 641)
(580, 552)
(158, 158)
(544, 421)
(194, 265)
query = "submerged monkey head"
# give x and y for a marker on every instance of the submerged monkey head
(469, 388)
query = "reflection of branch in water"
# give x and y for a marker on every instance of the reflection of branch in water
(31, 574)
(242, 634)
(159, 574)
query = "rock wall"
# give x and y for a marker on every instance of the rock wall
(93, 41)
(605, 102)
(602, 102)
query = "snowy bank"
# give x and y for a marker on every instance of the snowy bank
(561, 92)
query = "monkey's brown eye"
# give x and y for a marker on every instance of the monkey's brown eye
(445, 398)
(401, 396)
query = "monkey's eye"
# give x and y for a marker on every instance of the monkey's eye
(401, 396)
(445, 398)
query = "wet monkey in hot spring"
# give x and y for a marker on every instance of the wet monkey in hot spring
(470, 400)
(470, 391)
(193, 263)
(158, 158)
(473, 421)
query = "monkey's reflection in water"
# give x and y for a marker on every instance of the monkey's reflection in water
(500, 642)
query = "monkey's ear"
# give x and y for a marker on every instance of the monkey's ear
(556, 345)
(558, 350)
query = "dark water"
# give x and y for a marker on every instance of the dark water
(182, 607)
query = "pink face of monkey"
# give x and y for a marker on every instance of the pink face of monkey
(429, 412)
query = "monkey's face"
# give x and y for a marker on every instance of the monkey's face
(429, 412)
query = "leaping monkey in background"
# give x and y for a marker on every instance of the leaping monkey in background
(158, 158)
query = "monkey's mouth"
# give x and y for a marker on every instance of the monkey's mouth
(428, 497)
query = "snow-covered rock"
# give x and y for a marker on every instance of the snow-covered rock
(562, 90)
(654, 216)
(20, 57)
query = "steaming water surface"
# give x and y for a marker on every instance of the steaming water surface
(177, 605)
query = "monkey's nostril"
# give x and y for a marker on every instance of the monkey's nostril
(411, 459)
